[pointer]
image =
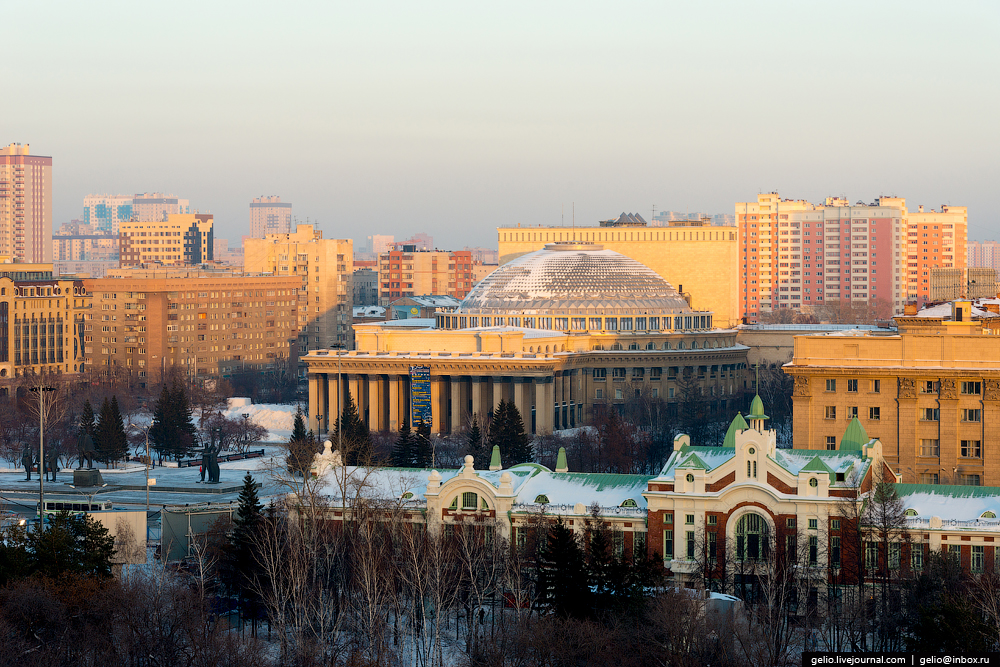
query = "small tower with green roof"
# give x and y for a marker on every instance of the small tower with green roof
(854, 438)
(756, 418)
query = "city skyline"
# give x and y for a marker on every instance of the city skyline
(408, 119)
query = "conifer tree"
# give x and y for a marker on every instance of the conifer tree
(352, 435)
(241, 568)
(172, 433)
(404, 451)
(423, 455)
(104, 432)
(301, 446)
(87, 419)
(118, 444)
(507, 431)
(562, 575)
(476, 447)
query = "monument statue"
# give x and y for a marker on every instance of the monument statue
(86, 449)
(27, 460)
(52, 464)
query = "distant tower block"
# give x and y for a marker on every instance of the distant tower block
(269, 215)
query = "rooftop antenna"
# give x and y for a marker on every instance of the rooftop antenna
(574, 221)
(562, 214)
(654, 213)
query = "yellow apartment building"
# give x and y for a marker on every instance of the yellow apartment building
(207, 324)
(182, 239)
(930, 392)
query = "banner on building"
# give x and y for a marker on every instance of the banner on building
(420, 396)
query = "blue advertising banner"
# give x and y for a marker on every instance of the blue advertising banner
(420, 396)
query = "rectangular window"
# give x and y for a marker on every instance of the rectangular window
(917, 557)
(972, 480)
(626, 324)
(929, 478)
(894, 553)
(955, 552)
(713, 520)
(978, 563)
(470, 500)
(852, 386)
(831, 385)
(871, 555)
(929, 387)
(930, 447)
(876, 386)
(930, 414)
(971, 449)
(638, 545)
(813, 550)
(975, 388)
(668, 544)
(852, 412)
(834, 524)
(790, 522)
(874, 414)
(791, 542)
(713, 546)
(690, 544)
(835, 551)
(689, 519)
(831, 412)
(831, 442)
(600, 374)
(813, 524)
(594, 323)
(971, 414)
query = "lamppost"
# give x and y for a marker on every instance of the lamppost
(90, 496)
(40, 390)
(147, 460)
(246, 434)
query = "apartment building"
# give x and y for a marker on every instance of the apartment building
(407, 271)
(800, 255)
(156, 206)
(181, 239)
(983, 254)
(208, 324)
(106, 212)
(270, 215)
(81, 242)
(324, 270)
(25, 204)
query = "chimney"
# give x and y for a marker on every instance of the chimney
(910, 310)
(920, 209)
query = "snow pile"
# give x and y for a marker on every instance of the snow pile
(276, 418)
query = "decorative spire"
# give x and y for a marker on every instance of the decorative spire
(495, 463)
(738, 424)
(561, 465)
(854, 438)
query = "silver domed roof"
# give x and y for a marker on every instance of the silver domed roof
(565, 276)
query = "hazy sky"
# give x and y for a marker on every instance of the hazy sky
(453, 118)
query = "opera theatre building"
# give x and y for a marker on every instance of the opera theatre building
(557, 332)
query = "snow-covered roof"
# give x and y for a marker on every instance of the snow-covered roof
(944, 310)
(957, 506)
(428, 300)
(369, 311)
(792, 460)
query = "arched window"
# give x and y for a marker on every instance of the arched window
(407, 495)
(988, 515)
(751, 538)
(470, 501)
(628, 502)
(650, 346)
(910, 512)
(542, 499)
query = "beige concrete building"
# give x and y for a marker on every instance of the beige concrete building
(156, 206)
(595, 328)
(270, 215)
(324, 269)
(930, 392)
(208, 324)
(406, 271)
(25, 205)
(703, 263)
(183, 239)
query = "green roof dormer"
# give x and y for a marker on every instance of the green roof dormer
(738, 424)
(693, 462)
(854, 437)
(817, 465)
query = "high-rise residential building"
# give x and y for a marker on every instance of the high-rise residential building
(25, 205)
(183, 239)
(700, 261)
(105, 212)
(269, 215)
(407, 271)
(421, 240)
(801, 256)
(208, 324)
(82, 243)
(379, 243)
(156, 206)
(324, 269)
(983, 255)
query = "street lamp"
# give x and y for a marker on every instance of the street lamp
(246, 435)
(146, 462)
(41, 452)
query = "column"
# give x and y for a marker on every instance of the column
(437, 414)
(313, 399)
(376, 404)
(544, 405)
(394, 421)
(457, 408)
(477, 396)
(333, 392)
(497, 391)
(522, 401)
(356, 389)
(321, 403)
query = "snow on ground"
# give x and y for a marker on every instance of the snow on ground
(276, 418)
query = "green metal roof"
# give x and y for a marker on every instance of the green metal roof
(495, 458)
(854, 437)
(693, 462)
(757, 408)
(738, 424)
